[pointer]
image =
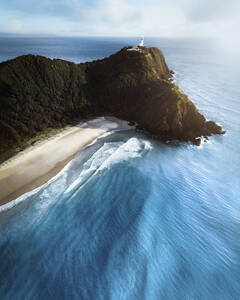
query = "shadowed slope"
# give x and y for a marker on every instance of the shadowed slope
(37, 93)
(134, 86)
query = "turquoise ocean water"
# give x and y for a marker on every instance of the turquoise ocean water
(130, 217)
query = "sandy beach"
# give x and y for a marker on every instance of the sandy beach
(37, 164)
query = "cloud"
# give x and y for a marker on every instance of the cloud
(65, 9)
(210, 10)
(25, 7)
(110, 17)
(122, 17)
(14, 26)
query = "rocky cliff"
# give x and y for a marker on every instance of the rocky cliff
(37, 93)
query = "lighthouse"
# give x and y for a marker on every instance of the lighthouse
(141, 44)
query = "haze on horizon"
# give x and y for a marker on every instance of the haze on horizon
(218, 19)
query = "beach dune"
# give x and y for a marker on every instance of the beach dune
(37, 164)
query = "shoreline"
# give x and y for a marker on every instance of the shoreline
(37, 164)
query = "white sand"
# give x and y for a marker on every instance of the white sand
(39, 163)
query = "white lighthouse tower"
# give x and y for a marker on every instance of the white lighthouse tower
(141, 44)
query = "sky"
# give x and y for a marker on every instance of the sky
(163, 18)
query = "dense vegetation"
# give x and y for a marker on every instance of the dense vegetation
(37, 93)
(136, 87)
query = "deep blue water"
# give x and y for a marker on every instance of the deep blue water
(130, 217)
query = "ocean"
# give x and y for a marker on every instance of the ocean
(130, 217)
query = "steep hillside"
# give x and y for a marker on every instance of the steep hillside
(134, 85)
(37, 93)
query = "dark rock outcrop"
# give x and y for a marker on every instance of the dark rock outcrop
(38, 93)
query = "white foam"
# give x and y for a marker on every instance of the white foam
(92, 165)
(109, 154)
(110, 124)
(27, 195)
(133, 148)
(104, 158)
